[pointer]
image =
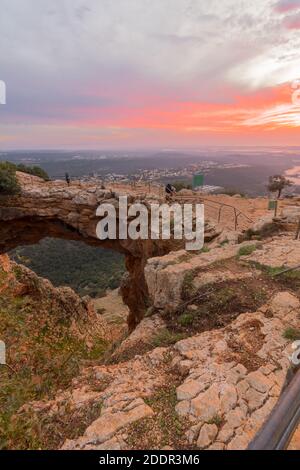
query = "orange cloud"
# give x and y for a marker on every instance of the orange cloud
(267, 109)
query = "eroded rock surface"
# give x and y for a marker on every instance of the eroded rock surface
(229, 380)
(166, 276)
(280, 252)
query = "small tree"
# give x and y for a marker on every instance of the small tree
(8, 181)
(277, 183)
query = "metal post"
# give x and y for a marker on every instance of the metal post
(279, 428)
(276, 209)
(235, 219)
(219, 216)
(298, 230)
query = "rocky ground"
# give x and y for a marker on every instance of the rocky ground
(114, 315)
(48, 334)
(202, 370)
(219, 387)
(178, 382)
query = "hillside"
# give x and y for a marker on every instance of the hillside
(201, 367)
(202, 371)
(48, 333)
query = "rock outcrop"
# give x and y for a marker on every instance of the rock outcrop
(167, 275)
(226, 381)
(53, 209)
(61, 304)
(279, 252)
(171, 384)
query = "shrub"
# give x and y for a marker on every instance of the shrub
(8, 181)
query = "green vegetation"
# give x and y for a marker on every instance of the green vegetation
(278, 272)
(223, 296)
(88, 270)
(270, 271)
(186, 319)
(217, 420)
(166, 338)
(246, 250)
(188, 287)
(291, 275)
(164, 401)
(166, 428)
(43, 354)
(259, 296)
(291, 334)
(32, 170)
(278, 183)
(215, 306)
(8, 181)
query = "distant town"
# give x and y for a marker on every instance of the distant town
(162, 175)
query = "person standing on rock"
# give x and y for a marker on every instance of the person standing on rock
(68, 179)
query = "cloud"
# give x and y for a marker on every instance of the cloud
(278, 116)
(80, 61)
(292, 21)
(284, 6)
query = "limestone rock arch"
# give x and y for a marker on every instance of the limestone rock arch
(53, 209)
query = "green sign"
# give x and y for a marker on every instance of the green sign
(272, 205)
(198, 181)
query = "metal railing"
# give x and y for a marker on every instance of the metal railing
(140, 188)
(220, 206)
(279, 428)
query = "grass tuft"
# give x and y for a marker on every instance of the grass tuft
(246, 250)
(291, 334)
(166, 338)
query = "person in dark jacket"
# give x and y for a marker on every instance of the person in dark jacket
(68, 179)
(170, 191)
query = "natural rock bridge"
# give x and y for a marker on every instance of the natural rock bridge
(53, 209)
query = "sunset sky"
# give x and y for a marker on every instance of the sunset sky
(149, 73)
